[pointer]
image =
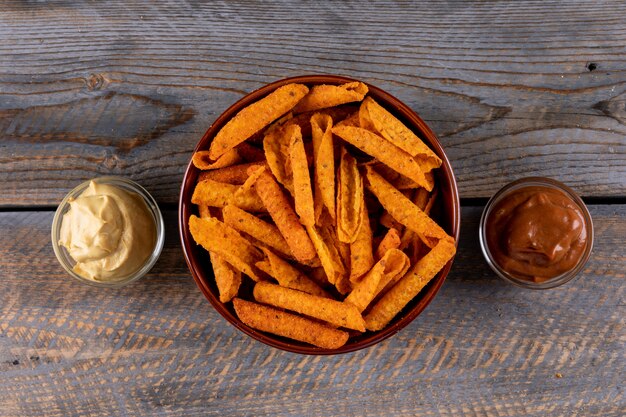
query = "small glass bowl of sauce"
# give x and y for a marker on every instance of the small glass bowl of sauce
(108, 232)
(536, 233)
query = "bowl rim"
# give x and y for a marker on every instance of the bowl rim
(399, 109)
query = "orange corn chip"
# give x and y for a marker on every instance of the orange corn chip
(327, 253)
(255, 117)
(375, 118)
(204, 211)
(342, 248)
(280, 122)
(403, 210)
(325, 309)
(303, 194)
(336, 114)
(235, 174)
(264, 266)
(397, 180)
(350, 202)
(352, 120)
(389, 222)
(324, 162)
(390, 241)
(253, 174)
(420, 199)
(430, 180)
(276, 146)
(227, 278)
(284, 217)
(385, 151)
(323, 96)
(404, 183)
(201, 159)
(289, 276)
(272, 320)
(215, 236)
(394, 264)
(344, 285)
(218, 194)
(417, 247)
(361, 256)
(264, 232)
(410, 285)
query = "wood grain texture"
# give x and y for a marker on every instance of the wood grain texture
(156, 347)
(129, 87)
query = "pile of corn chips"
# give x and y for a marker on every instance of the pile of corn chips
(317, 200)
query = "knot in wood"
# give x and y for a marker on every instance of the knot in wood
(96, 82)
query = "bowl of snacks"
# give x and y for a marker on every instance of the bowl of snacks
(319, 215)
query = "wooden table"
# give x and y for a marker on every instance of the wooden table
(128, 87)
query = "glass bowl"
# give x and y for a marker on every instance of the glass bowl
(534, 182)
(447, 209)
(63, 255)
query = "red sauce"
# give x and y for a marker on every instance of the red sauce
(536, 233)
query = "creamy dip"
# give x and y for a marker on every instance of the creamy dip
(108, 231)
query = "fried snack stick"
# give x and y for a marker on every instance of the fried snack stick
(288, 276)
(394, 264)
(303, 194)
(352, 120)
(215, 236)
(271, 320)
(417, 247)
(325, 309)
(403, 210)
(327, 253)
(262, 231)
(336, 113)
(350, 201)
(323, 96)
(284, 217)
(201, 160)
(275, 146)
(389, 222)
(343, 283)
(242, 152)
(227, 278)
(235, 174)
(255, 117)
(420, 199)
(374, 117)
(204, 211)
(391, 240)
(218, 194)
(324, 165)
(390, 280)
(385, 151)
(361, 256)
(410, 285)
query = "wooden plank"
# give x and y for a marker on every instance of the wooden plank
(128, 88)
(482, 348)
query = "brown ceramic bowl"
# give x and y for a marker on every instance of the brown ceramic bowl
(446, 211)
